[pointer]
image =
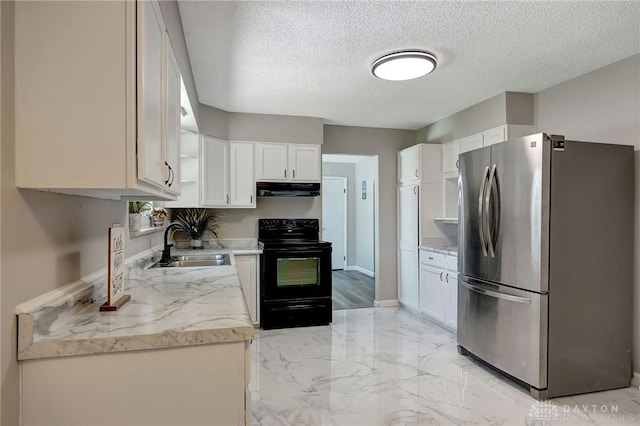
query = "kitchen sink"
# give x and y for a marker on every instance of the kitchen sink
(190, 261)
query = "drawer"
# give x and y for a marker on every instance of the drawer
(432, 259)
(451, 263)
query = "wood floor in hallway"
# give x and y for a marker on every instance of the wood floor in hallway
(352, 290)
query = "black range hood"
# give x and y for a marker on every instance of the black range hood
(287, 189)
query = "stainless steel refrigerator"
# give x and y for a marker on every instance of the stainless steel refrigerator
(546, 262)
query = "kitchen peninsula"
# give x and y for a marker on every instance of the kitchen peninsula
(177, 353)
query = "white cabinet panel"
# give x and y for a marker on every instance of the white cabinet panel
(470, 143)
(242, 184)
(432, 292)
(494, 136)
(450, 152)
(172, 117)
(304, 163)
(214, 172)
(409, 164)
(451, 299)
(151, 167)
(408, 230)
(272, 162)
(247, 266)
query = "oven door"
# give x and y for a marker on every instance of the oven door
(295, 273)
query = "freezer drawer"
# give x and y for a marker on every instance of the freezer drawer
(505, 327)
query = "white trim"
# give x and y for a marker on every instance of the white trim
(385, 303)
(360, 269)
(635, 380)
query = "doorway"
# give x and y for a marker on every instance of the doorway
(334, 218)
(349, 205)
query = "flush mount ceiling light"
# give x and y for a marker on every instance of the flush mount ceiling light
(404, 65)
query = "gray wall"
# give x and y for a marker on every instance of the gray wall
(47, 240)
(505, 108)
(366, 170)
(347, 170)
(601, 106)
(385, 143)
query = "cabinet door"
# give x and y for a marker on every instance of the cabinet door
(242, 183)
(214, 172)
(493, 136)
(304, 162)
(470, 143)
(272, 162)
(450, 152)
(172, 116)
(432, 292)
(409, 164)
(408, 231)
(247, 270)
(451, 299)
(151, 167)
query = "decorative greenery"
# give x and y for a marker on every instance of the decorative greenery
(197, 221)
(159, 213)
(139, 206)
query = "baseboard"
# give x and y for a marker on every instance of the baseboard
(359, 269)
(385, 303)
(635, 380)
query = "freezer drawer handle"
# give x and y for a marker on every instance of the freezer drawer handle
(495, 294)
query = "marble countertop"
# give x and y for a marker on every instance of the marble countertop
(169, 307)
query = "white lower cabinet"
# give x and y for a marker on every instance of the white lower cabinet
(439, 288)
(248, 271)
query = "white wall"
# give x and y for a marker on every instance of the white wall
(367, 171)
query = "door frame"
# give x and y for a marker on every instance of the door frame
(345, 215)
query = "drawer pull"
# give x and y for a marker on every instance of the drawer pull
(430, 258)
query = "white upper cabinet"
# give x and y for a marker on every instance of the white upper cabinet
(95, 104)
(304, 162)
(281, 162)
(214, 172)
(470, 143)
(450, 152)
(227, 174)
(242, 183)
(272, 162)
(409, 164)
(172, 118)
(493, 136)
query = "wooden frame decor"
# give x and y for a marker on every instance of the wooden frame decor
(116, 271)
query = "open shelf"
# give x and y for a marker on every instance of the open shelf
(448, 220)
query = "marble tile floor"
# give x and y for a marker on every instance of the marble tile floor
(387, 366)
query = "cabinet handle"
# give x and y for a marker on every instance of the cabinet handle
(251, 199)
(415, 190)
(416, 172)
(294, 173)
(285, 172)
(227, 198)
(457, 164)
(166, 182)
(430, 258)
(441, 275)
(173, 176)
(447, 277)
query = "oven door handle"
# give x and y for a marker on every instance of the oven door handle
(297, 258)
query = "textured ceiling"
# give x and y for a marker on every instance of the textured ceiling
(313, 58)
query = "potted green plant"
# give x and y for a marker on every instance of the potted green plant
(198, 221)
(136, 209)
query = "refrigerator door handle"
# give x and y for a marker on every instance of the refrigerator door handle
(481, 226)
(487, 204)
(495, 294)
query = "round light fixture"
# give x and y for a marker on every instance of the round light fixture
(404, 65)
